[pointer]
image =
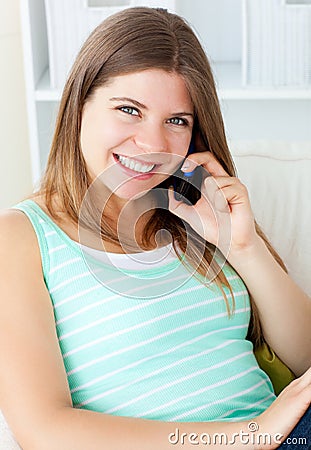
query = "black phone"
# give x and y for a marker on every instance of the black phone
(187, 185)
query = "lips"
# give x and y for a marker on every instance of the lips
(134, 164)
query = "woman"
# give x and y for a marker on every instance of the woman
(129, 308)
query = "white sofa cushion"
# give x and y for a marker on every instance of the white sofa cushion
(7, 441)
(278, 177)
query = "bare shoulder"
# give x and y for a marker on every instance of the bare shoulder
(14, 221)
(18, 238)
(12, 217)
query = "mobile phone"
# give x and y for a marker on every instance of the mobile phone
(187, 185)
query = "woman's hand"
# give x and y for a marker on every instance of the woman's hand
(286, 411)
(223, 215)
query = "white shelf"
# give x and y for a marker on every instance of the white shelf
(43, 92)
(228, 80)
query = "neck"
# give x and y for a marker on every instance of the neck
(128, 218)
(122, 219)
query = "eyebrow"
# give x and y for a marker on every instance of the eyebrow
(142, 106)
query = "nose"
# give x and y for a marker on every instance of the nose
(151, 139)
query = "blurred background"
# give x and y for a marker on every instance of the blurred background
(15, 162)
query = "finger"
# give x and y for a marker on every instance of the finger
(221, 190)
(211, 192)
(222, 181)
(236, 194)
(228, 197)
(221, 202)
(231, 186)
(211, 185)
(206, 160)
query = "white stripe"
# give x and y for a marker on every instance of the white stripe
(233, 277)
(250, 416)
(134, 327)
(140, 325)
(181, 380)
(163, 316)
(73, 297)
(88, 273)
(98, 286)
(55, 249)
(148, 341)
(107, 318)
(217, 402)
(157, 372)
(141, 305)
(69, 281)
(158, 283)
(155, 356)
(101, 302)
(50, 233)
(193, 394)
(247, 407)
(41, 221)
(66, 263)
(77, 277)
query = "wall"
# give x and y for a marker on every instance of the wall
(15, 180)
(221, 32)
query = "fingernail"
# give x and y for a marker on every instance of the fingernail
(185, 166)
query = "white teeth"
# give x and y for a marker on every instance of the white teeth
(135, 165)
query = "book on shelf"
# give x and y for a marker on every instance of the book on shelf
(70, 22)
(276, 43)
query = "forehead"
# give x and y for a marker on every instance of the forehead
(153, 86)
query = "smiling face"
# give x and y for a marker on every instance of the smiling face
(136, 130)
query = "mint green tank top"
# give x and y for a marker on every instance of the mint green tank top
(153, 343)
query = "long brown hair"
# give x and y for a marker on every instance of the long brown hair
(133, 40)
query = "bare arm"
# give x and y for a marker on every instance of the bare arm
(34, 393)
(284, 309)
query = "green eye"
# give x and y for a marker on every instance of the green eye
(178, 121)
(129, 110)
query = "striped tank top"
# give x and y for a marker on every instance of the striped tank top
(153, 343)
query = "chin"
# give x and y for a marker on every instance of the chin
(125, 193)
